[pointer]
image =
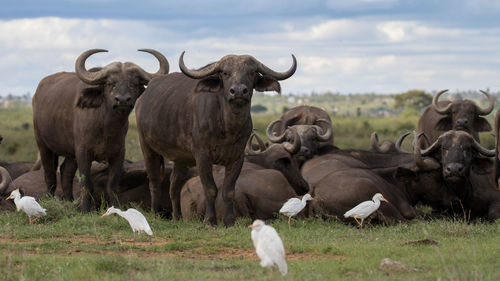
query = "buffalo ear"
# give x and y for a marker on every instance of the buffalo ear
(405, 175)
(266, 83)
(481, 125)
(211, 83)
(90, 97)
(482, 166)
(444, 124)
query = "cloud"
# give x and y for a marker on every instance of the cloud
(346, 55)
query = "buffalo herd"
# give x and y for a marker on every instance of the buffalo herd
(203, 160)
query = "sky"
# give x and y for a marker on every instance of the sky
(352, 46)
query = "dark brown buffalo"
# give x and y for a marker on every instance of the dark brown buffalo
(202, 117)
(279, 156)
(462, 115)
(313, 126)
(83, 116)
(386, 145)
(16, 169)
(466, 167)
(259, 194)
(342, 179)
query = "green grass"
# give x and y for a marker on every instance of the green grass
(67, 245)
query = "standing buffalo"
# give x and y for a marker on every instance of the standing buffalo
(313, 126)
(454, 115)
(202, 117)
(83, 116)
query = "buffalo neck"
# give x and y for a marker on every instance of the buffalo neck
(236, 118)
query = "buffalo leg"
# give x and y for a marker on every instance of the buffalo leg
(49, 162)
(231, 174)
(207, 180)
(177, 179)
(153, 163)
(68, 170)
(114, 171)
(86, 186)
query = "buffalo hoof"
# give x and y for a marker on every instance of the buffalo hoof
(229, 221)
(210, 221)
(85, 206)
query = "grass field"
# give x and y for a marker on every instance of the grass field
(67, 245)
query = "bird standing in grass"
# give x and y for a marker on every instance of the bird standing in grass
(137, 221)
(364, 209)
(294, 205)
(268, 246)
(28, 205)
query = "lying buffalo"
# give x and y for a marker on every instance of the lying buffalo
(467, 168)
(386, 145)
(313, 126)
(83, 116)
(279, 156)
(454, 115)
(202, 117)
(259, 194)
(342, 179)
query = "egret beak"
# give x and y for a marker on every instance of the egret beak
(312, 198)
(103, 215)
(383, 199)
(251, 226)
(10, 197)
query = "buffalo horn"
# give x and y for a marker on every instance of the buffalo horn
(198, 74)
(164, 66)
(264, 70)
(271, 135)
(250, 149)
(295, 146)
(483, 150)
(374, 142)
(435, 105)
(326, 130)
(426, 164)
(6, 180)
(89, 77)
(400, 140)
(486, 111)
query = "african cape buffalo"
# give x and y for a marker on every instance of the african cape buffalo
(83, 116)
(341, 179)
(279, 156)
(313, 126)
(467, 169)
(462, 115)
(259, 194)
(202, 117)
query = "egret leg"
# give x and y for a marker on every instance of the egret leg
(361, 225)
(29, 218)
(150, 241)
(289, 218)
(356, 219)
(134, 237)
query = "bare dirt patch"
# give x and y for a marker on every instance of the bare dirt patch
(224, 253)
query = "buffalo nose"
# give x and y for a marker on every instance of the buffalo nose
(304, 150)
(240, 89)
(462, 122)
(122, 99)
(454, 168)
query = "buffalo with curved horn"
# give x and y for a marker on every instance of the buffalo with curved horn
(202, 117)
(462, 115)
(83, 116)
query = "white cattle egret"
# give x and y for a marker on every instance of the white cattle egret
(137, 221)
(293, 206)
(364, 209)
(268, 246)
(27, 204)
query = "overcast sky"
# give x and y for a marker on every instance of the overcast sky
(351, 46)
